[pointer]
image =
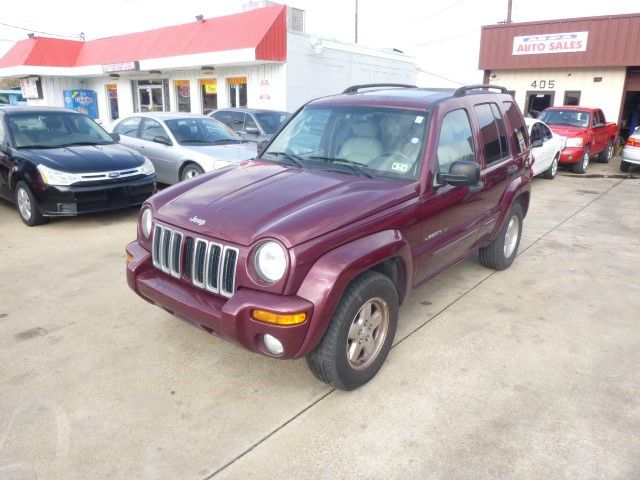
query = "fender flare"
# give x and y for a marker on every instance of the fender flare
(328, 278)
(518, 186)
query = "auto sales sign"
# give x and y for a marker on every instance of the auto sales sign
(550, 43)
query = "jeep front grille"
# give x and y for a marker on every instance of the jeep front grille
(208, 265)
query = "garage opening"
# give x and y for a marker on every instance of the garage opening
(630, 117)
(536, 102)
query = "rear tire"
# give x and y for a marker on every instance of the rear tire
(27, 205)
(624, 166)
(501, 253)
(550, 173)
(581, 166)
(190, 170)
(607, 153)
(356, 344)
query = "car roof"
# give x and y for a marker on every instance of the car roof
(408, 97)
(164, 115)
(251, 110)
(572, 107)
(9, 109)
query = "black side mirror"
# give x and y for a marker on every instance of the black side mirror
(537, 143)
(262, 145)
(163, 140)
(462, 173)
(115, 136)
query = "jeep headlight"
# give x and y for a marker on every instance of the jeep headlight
(575, 142)
(270, 261)
(147, 167)
(146, 222)
(57, 177)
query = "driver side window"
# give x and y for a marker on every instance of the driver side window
(455, 141)
(151, 129)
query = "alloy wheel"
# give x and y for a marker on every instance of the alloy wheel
(191, 173)
(24, 203)
(511, 236)
(585, 160)
(367, 333)
(554, 167)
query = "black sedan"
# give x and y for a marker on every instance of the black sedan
(56, 162)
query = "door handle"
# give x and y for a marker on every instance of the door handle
(512, 169)
(140, 147)
(477, 187)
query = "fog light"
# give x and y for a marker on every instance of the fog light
(273, 344)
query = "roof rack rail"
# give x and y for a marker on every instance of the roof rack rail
(356, 88)
(462, 91)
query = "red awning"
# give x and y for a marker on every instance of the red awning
(262, 29)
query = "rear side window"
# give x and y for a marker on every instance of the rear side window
(128, 127)
(455, 141)
(492, 133)
(151, 129)
(518, 128)
(224, 117)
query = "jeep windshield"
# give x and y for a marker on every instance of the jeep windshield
(368, 141)
(202, 131)
(570, 118)
(55, 130)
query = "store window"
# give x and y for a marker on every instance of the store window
(209, 92)
(237, 92)
(112, 98)
(572, 98)
(183, 95)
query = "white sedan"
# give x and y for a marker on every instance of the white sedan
(545, 146)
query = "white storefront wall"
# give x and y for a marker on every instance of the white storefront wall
(314, 68)
(605, 94)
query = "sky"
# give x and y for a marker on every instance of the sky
(443, 35)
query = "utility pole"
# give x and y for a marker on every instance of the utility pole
(509, 11)
(356, 21)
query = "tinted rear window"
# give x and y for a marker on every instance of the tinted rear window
(516, 123)
(492, 133)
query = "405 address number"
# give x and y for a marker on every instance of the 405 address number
(542, 84)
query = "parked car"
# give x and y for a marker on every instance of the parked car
(546, 148)
(182, 145)
(56, 162)
(308, 250)
(631, 152)
(12, 97)
(251, 124)
(587, 131)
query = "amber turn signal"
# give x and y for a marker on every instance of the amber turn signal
(270, 317)
(129, 257)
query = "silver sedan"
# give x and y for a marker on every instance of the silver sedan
(180, 145)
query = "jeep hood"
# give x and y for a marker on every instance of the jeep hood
(257, 199)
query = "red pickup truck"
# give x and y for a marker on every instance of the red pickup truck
(587, 131)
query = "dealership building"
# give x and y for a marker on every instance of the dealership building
(259, 58)
(593, 61)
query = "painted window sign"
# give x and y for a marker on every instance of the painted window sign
(183, 88)
(550, 43)
(210, 85)
(83, 101)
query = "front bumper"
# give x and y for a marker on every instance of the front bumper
(227, 318)
(571, 155)
(56, 201)
(631, 155)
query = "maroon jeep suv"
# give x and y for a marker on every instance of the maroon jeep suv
(309, 249)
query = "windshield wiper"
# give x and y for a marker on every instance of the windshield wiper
(355, 166)
(82, 143)
(293, 158)
(37, 145)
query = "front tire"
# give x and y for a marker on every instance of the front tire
(501, 253)
(581, 166)
(190, 170)
(550, 173)
(27, 205)
(360, 334)
(607, 153)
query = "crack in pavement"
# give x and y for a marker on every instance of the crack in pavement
(325, 395)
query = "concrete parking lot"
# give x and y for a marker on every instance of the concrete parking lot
(529, 373)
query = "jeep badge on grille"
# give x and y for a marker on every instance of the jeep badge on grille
(197, 220)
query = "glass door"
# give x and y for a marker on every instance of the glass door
(112, 97)
(237, 92)
(209, 92)
(151, 96)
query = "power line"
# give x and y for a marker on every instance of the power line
(440, 76)
(438, 12)
(31, 30)
(462, 34)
